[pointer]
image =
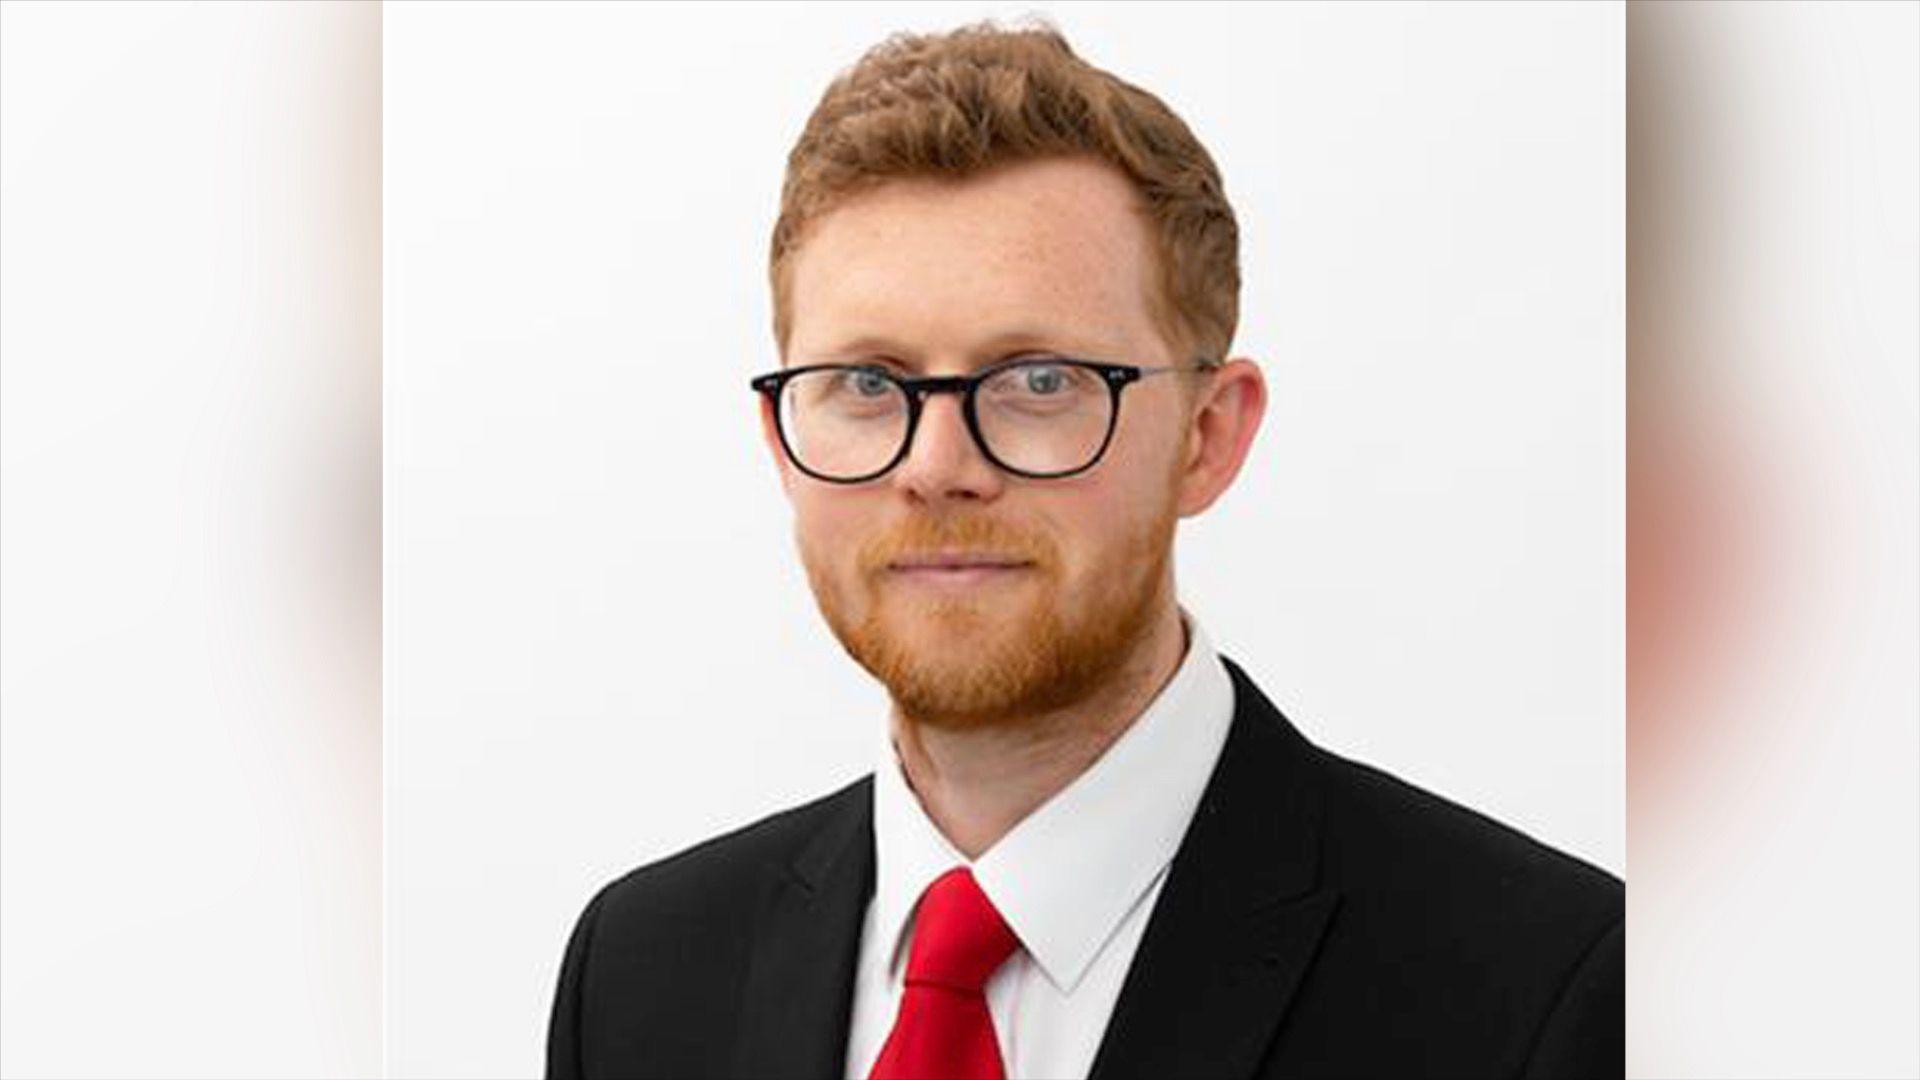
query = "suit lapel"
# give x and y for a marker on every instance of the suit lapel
(1237, 921)
(1229, 941)
(796, 1003)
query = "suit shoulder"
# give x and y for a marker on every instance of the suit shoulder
(651, 973)
(720, 870)
(1417, 851)
(1386, 833)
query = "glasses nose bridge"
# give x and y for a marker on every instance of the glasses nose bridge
(938, 384)
(921, 391)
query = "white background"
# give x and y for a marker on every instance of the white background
(190, 485)
(189, 542)
(600, 646)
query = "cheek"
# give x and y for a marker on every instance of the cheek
(1109, 526)
(830, 534)
(1093, 527)
(1142, 456)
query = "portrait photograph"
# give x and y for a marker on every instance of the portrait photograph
(1151, 474)
(966, 540)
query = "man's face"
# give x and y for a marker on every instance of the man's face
(941, 277)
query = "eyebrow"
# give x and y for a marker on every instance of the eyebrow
(992, 350)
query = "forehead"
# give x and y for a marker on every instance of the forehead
(1056, 251)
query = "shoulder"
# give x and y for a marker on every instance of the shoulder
(721, 876)
(1514, 949)
(652, 968)
(1414, 854)
(1480, 949)
(1493, 951)
(1387, 837)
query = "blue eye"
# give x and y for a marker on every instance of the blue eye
(871, 383)
(1045, 380)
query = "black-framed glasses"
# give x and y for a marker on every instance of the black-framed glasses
(1037, 417)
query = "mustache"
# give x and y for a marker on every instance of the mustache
(918, 537)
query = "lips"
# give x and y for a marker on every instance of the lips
(956, 561)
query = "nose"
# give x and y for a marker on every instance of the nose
(944, 463)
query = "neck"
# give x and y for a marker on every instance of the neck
(978, 784)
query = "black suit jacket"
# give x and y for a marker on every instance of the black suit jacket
(1321, 918)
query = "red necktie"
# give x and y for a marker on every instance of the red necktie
(944, 1029)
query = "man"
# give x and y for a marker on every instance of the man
(1005, 285)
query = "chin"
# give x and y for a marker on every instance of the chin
(962, 664)
(947, 614)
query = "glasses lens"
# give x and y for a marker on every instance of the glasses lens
(1044, 416)
(844, 423)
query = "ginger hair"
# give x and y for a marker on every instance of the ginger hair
(956, 104)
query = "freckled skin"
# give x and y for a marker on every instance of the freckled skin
(1006, 688)
(940, 268)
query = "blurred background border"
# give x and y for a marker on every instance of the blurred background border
(190, 548)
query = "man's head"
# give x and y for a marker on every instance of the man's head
(962, 199)
(963, 103)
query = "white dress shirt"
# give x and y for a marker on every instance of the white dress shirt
(1076, 879)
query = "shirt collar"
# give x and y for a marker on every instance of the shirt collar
(1065, 875)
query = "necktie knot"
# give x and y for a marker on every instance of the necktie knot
(944, 1028)
(959, 939)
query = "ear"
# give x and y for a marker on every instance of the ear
(770, 435)
(1220, 430)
